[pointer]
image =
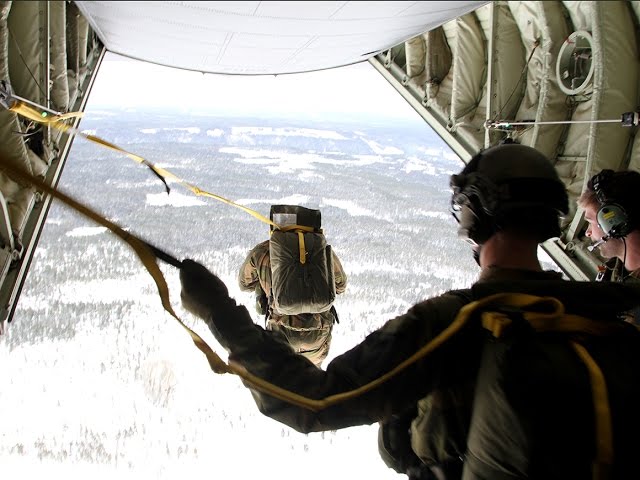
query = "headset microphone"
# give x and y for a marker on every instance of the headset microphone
(604, 239)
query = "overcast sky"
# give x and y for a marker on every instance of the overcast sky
(355, 89)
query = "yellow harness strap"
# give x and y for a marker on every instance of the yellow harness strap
(300, 230)
(556, 320)
(303, 252)
(604, 429)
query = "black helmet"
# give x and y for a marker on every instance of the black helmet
(508, 185)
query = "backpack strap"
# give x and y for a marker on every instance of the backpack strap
(300, 230)
(547, 314)
(335, 314)
(602, 412)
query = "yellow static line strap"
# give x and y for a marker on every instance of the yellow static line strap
(56, 121)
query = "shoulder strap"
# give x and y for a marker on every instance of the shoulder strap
(335, 314)
(300, 230)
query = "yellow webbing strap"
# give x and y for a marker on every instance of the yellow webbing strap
(555, 320)
(140, 247)
(604, 428)
(300, 229)
(303, 252)
(56, 121)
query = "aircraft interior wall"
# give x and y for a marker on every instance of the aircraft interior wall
(48, 56)
(504, 68)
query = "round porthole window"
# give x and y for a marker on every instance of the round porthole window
(574, 68)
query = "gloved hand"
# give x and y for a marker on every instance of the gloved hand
(202, 291)
(262, 302)
(207, 297)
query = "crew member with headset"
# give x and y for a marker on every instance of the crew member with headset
(611, 209)
(613, 217)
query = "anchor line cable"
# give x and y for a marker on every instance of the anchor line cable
(505, 123)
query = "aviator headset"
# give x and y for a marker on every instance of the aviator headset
(613, 219)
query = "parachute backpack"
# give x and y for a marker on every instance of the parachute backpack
(302, 278)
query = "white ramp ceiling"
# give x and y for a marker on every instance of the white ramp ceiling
(262, 37)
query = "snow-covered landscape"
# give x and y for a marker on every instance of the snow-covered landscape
(100, 382)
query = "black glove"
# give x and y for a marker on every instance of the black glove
(207, 297)
(202, 291)
(262, 303)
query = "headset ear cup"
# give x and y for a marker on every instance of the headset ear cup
(474, 225)
(613, 220)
